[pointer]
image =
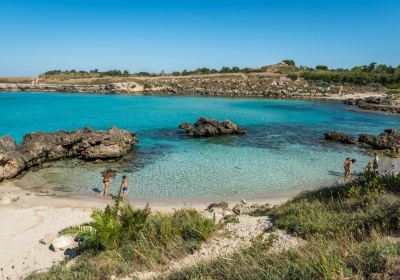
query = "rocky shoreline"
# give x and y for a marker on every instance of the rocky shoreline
(234, 85)
(388, 141)
(387, 103)
(38, 148)
(259, 85)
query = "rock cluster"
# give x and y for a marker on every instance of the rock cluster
(376, 103)
(388, 140)
(38, 148)
(221, 210)
(339, 137)
(208, 127)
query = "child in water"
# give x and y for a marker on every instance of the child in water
(124, 186)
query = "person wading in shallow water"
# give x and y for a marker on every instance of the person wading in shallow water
(347, 167)
(106, 186)
(107, 175)
(124, 187)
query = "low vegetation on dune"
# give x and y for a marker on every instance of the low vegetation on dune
(350, 231)
(121, 240)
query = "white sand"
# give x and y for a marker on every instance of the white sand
(23, 224)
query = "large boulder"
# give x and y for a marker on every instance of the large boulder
(62, 243)
(339, 137)
(40, 147)
(11, 164)
(209, 127)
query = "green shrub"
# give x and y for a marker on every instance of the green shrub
(292, 76)
(192, 225)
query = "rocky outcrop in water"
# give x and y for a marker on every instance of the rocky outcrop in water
(208, 127)
(389, 140)
(339, 137)
(387, 103)
(38, 148)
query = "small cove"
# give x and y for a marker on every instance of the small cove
(283, 150)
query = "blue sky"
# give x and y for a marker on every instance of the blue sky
(155, 35)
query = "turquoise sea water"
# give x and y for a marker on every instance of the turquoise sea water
(283, 150)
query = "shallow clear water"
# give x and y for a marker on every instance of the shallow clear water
(282, 151)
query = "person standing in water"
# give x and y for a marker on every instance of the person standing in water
(107, 175)
(124, 186)
(106, 185)
(375, 163)
(347, 168)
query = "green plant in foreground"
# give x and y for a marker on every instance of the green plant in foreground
(121, 240)
(110, 227)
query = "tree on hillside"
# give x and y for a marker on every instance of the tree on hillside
(225, 69)
(321, 67)
(289, 62)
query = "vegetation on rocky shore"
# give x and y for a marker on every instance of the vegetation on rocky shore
(372, 74)
(351, 232)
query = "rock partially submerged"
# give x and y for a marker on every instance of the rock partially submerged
(388, 140)
(38, 148)
(386, 103)
(339, 137)
(209, 127)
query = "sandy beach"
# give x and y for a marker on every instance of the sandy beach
(28, 216)
(28, 219)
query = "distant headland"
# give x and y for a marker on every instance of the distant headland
(371, 87)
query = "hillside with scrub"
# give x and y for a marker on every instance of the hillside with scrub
(372, 74)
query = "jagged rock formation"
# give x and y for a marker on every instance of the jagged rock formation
(208, 127)
(389, 140)
(339, 137)
(38, 148)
